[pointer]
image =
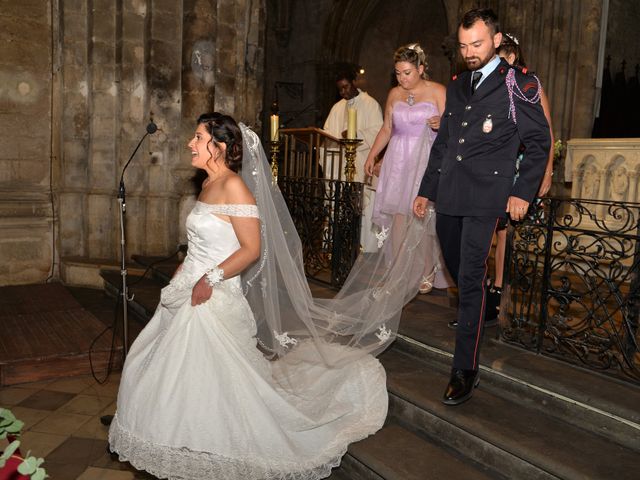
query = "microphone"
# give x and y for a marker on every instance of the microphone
(151, 129)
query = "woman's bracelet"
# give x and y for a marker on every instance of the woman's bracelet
(214, 276)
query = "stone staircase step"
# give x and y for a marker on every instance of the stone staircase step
(396, 453)
(506, 436)
(162, 268)
(602, 404)
(532, 417)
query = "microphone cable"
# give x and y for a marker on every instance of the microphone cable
(114, 325)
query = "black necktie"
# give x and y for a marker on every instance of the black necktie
(475, 79)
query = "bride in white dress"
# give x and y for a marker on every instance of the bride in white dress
(213, 390)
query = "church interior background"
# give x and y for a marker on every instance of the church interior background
(80, 80)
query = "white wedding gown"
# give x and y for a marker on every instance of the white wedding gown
(198, 400)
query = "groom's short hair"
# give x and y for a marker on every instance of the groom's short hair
(487, 15)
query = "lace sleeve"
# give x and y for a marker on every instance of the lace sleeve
(233, 210)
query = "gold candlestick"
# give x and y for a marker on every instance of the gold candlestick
(275, 150)
(350, 147)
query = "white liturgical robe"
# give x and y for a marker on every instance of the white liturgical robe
(369, 121)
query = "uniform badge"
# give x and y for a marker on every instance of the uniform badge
(487, 125)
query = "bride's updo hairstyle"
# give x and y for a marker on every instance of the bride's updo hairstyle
(414, 54)
(224, 129)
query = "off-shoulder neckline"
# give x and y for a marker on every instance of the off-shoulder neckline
(227, 204)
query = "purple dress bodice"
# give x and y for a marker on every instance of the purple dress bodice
(410, 121)
(405, 160)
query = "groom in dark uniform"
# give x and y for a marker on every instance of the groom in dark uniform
(492, 109)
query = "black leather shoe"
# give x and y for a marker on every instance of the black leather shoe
(453, 324)
(461, 385)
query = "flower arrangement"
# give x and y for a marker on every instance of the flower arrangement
(13, 466)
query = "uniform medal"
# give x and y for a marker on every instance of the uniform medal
(487, 125)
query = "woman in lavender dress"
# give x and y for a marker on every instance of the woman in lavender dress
(411, 119)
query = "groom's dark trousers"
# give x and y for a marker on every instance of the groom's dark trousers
(465, 244)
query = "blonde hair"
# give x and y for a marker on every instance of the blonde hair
(413, 54)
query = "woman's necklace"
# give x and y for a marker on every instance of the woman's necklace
(411, 99)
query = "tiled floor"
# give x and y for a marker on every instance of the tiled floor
(62, 425)
(62, 417)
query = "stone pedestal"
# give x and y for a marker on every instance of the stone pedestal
(604, 169)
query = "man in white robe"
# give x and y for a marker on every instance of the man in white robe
(369, 121)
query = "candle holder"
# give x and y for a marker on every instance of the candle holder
(350, 147)
(274, 147)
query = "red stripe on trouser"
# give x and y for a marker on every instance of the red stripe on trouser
(484, 298)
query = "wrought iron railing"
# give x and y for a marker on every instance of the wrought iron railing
(573, 284)
(326, 208)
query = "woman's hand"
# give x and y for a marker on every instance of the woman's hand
(201, 291)
(434, 122)
(368, 166)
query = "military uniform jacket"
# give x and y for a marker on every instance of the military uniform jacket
(473, 159)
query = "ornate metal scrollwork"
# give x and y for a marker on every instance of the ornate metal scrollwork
(327, 215)
(573, 276)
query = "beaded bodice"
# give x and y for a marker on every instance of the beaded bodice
(212, 239)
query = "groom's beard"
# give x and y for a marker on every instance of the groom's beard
(476, 63)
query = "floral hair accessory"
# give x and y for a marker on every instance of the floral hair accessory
(416, 48)
(513, 38)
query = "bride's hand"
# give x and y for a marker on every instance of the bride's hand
(201, 292)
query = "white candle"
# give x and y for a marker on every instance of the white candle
(275, 126)
(352, 123)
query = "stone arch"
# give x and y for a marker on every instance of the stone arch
(347, 29)
(588, 174)
(617, 179)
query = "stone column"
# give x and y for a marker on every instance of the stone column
(26, 202)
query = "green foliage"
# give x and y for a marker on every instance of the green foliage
(10, 425)
(31, 466)
(10, 450)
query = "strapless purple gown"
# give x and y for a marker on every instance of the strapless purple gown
(401, 171)
(405, 162)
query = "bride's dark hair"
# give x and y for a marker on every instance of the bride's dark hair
(224, 129)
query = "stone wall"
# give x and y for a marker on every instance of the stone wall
(26, 206)
(84, 77)
(306, 38)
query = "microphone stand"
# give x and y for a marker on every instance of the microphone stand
(151, 129)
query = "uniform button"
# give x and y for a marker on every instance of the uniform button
(464, 124)
(459, 158)
(495, 172)
(461, 140)
(439, 170)
(468, 107)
